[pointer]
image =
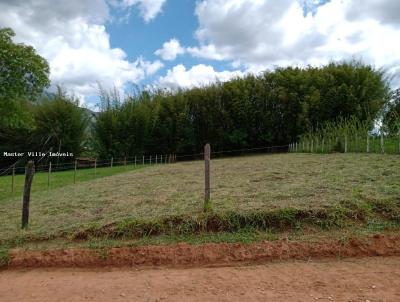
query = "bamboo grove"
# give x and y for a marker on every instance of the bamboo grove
(274, 108)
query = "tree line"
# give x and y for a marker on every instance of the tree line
(272, 108)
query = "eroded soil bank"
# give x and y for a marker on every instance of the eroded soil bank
(207, 254)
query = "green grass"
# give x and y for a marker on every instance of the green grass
(263, 194)
(57, 179)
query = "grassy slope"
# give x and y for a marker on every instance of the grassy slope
(358, 183)
(57, 179)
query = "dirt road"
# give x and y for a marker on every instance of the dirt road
(367, 279)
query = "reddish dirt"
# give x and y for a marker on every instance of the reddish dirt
(367, 279)
(207, 254)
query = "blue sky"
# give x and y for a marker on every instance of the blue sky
(182, 44)
(139, 38)
(176, 20)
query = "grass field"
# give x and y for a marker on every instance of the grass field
(262, 193)
(57, 179)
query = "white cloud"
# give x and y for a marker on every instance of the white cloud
(151, 68)
(257, 34)
(170, 50)
(149, 9)
(198, 75)
(72, 37)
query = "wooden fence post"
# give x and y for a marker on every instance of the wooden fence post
(30, 171)
(399, 143)
(12, 180)
(150, 159)
(135, 161)
(112, 161)
(143, 160)
(367, 143)
(125, 161)
(95, 167)
(48, 177)
(382, 144)
(207, 151)
(345, 144)
(373, 143)
(76, 161)
(156, 159)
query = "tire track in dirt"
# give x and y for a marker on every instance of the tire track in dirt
(366, 279)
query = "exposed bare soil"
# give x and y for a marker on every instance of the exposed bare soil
(367, 279)
(208, 254)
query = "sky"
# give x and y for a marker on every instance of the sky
(186, 43)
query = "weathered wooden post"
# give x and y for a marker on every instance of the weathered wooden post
(30, 171)
(112, 161)
(76, 161)
(143, 160)
(399, 143)
(367, 143)
(382, 144)
(135, 161)
(345, 144)
(95, 167)
(373, 144)
(156, 159)
(150, 159)
(48, 177)
(125, 161)
(207, 151)
(12, 179)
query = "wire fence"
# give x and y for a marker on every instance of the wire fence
(258, 183)
(11, 178)
(348, 143)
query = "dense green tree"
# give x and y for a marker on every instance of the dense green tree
(23, 76)
(60, 124)
(391, 116)
(273, 108)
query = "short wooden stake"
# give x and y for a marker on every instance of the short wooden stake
(30, 171)
(75, 171)
(367, 143)
(382, 144)
(345, 144)
(95, 167)
(207, 151)
(12, 179)
(48, 177)
(112, 161)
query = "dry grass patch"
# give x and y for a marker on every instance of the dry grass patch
(286, 183)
